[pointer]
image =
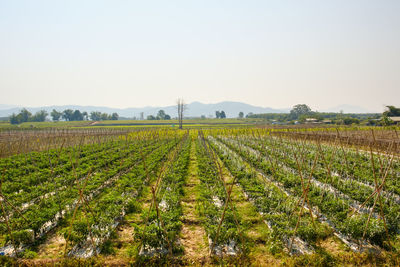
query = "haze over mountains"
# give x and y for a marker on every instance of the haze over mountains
(348, 109)
(194, 109)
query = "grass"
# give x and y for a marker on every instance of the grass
(193, 236)
(187, 123)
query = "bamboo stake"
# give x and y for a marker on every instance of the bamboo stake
(74, 214)
(304, 197)
(228, 192)
(161, 221)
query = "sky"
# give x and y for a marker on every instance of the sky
(149, 53)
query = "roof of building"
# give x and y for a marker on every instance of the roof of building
(395, 119)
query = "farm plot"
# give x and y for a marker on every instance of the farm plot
(361, 214)
(256, 196)
(36, 203)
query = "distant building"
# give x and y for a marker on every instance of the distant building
(311, 120)
(327, 121)
(275, 122)
(396, 120)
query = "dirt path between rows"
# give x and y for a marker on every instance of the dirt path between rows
(193, 236)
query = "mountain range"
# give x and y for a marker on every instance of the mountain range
(194, 109)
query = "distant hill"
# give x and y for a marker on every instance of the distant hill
(195, 109)
(347, 109)
(3, 106)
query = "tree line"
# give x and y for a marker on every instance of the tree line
(24, 116)
(77, 115)
(161, 115)
(68, 115)
(220, 114)
(301, 112)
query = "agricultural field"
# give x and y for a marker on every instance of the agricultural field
(132, 124)
(230, 195)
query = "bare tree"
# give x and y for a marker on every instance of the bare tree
(181, 108)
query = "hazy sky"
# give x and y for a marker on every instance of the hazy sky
(138, 53)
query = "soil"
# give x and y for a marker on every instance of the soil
(193, 234)
(53, 247)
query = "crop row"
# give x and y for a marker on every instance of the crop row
(41, 217)
(277, 207)
(354, 193)
(219, 216)
(344, 163)
(28, 195)
(162, 222)
(104, 213)
(336, 209)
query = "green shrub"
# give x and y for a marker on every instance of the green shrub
(29, 254)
